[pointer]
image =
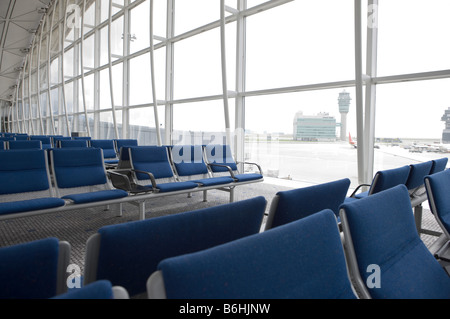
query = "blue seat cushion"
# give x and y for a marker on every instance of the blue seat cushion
(362, 194)
(248, 177)
(175, 186)
(96, 196)
(30, 205)
(214, 181)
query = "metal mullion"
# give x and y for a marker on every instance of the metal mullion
(24, 129)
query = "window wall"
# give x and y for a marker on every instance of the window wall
(240, 71)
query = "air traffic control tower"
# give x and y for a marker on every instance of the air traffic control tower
(446, 132)
(344, 106)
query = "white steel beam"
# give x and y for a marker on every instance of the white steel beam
(113, 108)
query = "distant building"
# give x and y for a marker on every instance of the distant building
(320, 127)
(344, 106)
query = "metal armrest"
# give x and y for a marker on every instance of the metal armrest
(357, 188)
(250, 163)
(123, 179)
(150, 175)
(226, 166)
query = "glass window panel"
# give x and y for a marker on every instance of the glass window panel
(139, 27)
(89, 91)
(190, 126)
(411, 36)
(140, 80)
(300, 48)
(105, 90)
(117, 76)
(104, 10)
(106, 125)
(316, 156)
(54, 71)
(69, 64)
(195, 13)
(197, 66)
(89, 53)
(54, 94)
(89, 16)
(117, 38)
(104, 59)
(159, 18)
(142, 125)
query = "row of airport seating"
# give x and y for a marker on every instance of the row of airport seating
(78, 177)
(221, 253)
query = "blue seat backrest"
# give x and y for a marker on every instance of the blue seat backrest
(119, 143)
(21, 144)
(288, 262)
(188, 160)
(29, 270)
(153, 159)
(438, 195)
(220, 154)
(439, 165)
(73, 143)
(130, 252)
(383, 233)
(390, 178)
(417, 174)
(299, 203)
(76, 167)
(23, 171)
(107, 146)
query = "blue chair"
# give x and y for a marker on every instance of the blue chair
(383, 180)
(386, 256)
(221, 161)
(109, 151)
(417, 173)
(439, 165)
(288, 206)
(21, 144)
(34, 270)
(126, 254)
(152, 167)
(121, 142)
(26, 185)
(189, 165)
(80, 176)
(101, 289)
(437, 187)
(45, 140)
(299, 260)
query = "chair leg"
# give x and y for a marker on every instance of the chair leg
(205, 196)
(189, 195)
(231, 194)
(142, 210)
(120, 214)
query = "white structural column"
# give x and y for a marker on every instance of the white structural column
(116, 131)
(371, 71)
(169, 71)
(30, 112)
(49, 41)
(240, 82)
(224, 71)
(63, 81)
(152, 74)
(24, 127)
(38, 81)
(359, 95)
(83, 92)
